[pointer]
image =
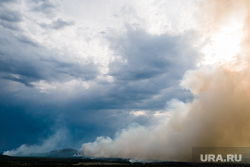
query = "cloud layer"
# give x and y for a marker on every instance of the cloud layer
(138, 72)
(88, 66)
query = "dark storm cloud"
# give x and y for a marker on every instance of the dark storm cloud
(63, 70)
(17, 126)
(104, 107)
(147, 69)
(146, 56)
(129, 95)
(146, 76)
(18, 79)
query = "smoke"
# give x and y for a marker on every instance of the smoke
(142, 143)
(48, 144)
(218, 116)
(215, 13)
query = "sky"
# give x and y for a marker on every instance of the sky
(145, 80)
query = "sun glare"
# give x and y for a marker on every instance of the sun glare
(224, 46)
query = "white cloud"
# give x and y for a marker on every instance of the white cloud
(138, 113)
(68, 87)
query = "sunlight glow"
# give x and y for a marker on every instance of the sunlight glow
(224, 47)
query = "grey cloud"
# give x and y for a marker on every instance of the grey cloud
(27, 41)
(61, 68)
(57, 24)
(17, 79)
(26, 70)
(44, 6)
(10, 25)
(10, 15)
(32, 62)
(154, 64)
(146, 56)
(147, 70)
(151, 75)
(10, 19)
(6, 1)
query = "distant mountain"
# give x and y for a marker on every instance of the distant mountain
(4, 156)
(63, 153)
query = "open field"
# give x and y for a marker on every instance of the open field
(7, 161)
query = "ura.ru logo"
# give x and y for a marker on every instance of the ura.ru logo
(219, 158)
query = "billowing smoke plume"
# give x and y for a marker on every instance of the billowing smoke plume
(218, 116)
(49, 144)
